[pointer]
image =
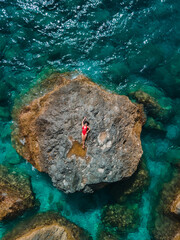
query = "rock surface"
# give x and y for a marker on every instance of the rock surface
(48, 133)
(48, 226)
(15, 193)
(175, 207)
(177, 236)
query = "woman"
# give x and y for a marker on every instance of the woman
(85, 130)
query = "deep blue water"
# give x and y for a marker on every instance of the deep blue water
(123, 45)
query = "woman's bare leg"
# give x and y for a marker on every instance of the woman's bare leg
(83, 140)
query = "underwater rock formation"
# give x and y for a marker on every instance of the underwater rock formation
(48, 133)
(152, 107)
(120, 217)
(15, 193)
(133, 186)
(47, 225)
(151, 123)
(123, 216)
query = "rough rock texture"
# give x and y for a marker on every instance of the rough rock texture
(175, 207)
(177, 236)
(48, 226)
(48, 134)
(15, 193)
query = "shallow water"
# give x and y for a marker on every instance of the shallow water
(124, 46)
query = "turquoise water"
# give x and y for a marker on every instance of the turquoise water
(124, 46)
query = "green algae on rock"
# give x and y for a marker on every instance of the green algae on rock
(153, 108)
(106, 235)
(49, 225)
(15, 193)
(133, 186)
(47, 133)
(151, 123)
(117, 221)
(120, 217)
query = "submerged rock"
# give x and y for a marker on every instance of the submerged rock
(117, 221)
(47, 225)
(134, 186)
(151, 123)
(48, 133)
(105, 235)
(122, 217)
(150, 103)
(15, 193)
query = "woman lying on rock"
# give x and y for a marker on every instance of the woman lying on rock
(85, 130)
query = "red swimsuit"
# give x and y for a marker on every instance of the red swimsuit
(84, 130)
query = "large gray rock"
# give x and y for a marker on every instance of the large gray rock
(48, 133)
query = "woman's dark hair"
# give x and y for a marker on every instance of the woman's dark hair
(86, 122)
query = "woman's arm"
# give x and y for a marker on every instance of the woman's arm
(88, 129)
(83, 121)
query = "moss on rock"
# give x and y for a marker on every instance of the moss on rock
(15, 193)
(151, 105)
